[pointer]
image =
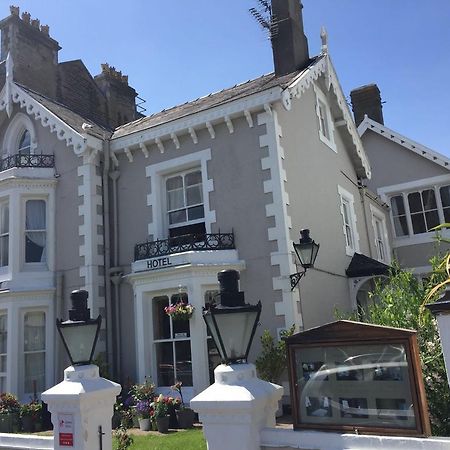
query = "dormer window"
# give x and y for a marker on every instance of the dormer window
(24, 147)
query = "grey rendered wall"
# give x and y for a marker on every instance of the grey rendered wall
(314, 172)
(393, 164)
(239, 202)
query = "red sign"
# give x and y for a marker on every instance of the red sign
(66, 439)
(65, 422)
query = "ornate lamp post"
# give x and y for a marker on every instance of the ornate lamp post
(80, 333)
(232, 323)
(306, 251)
(82, 404)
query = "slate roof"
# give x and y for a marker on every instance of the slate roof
(212, 100)
(71, 118)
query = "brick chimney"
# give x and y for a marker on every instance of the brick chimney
(34, 52)
(289, 43)
(120, 97)
(367, 100)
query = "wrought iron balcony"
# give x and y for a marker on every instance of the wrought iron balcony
(43, 161)
(185, 243)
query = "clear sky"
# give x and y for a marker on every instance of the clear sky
(175, 50)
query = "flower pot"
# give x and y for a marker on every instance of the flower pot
(145, 424)
(162, 424)
(185, 418)
(27, 424)
(9, 423)
(180, 317)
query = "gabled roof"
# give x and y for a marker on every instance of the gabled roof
(413, 146)
(209, 101)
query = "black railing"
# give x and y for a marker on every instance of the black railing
(46, 161)
(188, 242)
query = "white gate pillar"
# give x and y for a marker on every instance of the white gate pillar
(236, 408)
(81, 404)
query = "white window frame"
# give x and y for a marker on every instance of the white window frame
(14, 132)
(346, 198)
(4, 374)
(157, 173)
(35, 265)
(324, 117)
(186, 207)
(22, 349)
(379, 217)
(4, 202)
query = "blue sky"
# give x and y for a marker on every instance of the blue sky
(175, 51)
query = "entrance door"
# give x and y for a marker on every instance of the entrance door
(172, 340)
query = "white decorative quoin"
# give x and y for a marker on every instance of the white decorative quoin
(82, 407)
(236, 408)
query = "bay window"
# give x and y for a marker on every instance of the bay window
(4, 234)
(35, 231)
(34, 351)
(3, 350)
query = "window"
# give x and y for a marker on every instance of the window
(4, 234)
(349, 222)
(420, 211)
(172, 343)
(3, 351)
(24, 147)
(326, 126)
(35, 231)
(380, 235)
(185, 208)
(34, 351)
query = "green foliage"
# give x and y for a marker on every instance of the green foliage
(122, 439)
(272, 361)
(398, 302)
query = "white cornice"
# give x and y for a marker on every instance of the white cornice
(28, 183)
(197, 120)
(419, 149)
(12, 93)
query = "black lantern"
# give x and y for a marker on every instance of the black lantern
(306, 251)
(80, 333)
(232, 324)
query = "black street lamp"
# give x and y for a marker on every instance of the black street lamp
(232, 323)
(306, 251)
(80, 333)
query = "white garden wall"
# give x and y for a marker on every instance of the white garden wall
(282, 439)
(25, 442)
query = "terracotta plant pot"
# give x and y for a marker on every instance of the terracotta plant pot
(145, 424)
(162, 424)
(185, 418)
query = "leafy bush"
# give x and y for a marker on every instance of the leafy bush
(123, 439)
(398, 302)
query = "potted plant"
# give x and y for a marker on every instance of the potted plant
(185, 415)
(30, 415)
(144, 412)
(138, 392)
(161, 414)
(9, 413)
(180, 311)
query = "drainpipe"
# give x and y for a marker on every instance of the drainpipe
(58, 314)
(362, 193)
(115, 272)
(107, 262)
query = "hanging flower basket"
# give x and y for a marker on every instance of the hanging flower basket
(180, 311)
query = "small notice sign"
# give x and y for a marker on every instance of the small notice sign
(65, 429)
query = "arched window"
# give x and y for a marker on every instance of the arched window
(24, 147)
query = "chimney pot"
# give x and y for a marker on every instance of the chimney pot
(26, 17)
(35, 23)
(14, 10)
(45, 29)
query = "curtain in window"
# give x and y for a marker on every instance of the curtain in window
(25, 143)
(35, 236)
(34, 349)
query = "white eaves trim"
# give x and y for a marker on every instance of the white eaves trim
(419, 149)
(64, 132)
(200, 119)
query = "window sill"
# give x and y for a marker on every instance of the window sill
(423, 238)
(329, 143)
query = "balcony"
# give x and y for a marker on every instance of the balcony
(186, 243)
(26, 161)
